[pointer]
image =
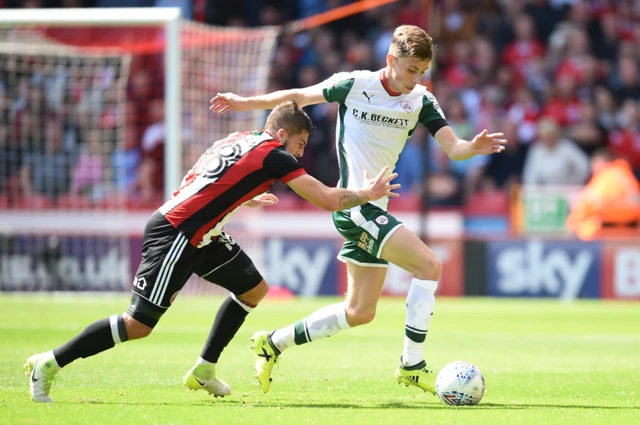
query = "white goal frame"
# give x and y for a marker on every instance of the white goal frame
(167, 17)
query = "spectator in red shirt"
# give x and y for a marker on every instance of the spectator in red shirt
(524, 113)
(625, 140)
(577, 52)
(520, 53)
(563, 105)
(459, 73)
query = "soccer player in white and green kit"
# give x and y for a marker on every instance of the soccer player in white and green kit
(378, 112)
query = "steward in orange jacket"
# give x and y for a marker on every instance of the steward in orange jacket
(610, 199)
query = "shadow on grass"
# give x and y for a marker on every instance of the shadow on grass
(481, 406)
(506, 406)
(391, 405)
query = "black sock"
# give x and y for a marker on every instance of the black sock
(96, 338)
(228, 320)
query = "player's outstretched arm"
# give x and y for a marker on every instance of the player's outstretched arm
(224, 102)
(336, 199)
(458, 149)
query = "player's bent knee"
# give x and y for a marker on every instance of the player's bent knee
(135, 329)
(360, 316)
(430, 268)
(254, 295)
(435, 265)
(143, 312)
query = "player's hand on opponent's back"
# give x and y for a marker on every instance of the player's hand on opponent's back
(226, 101)
(379, 186)
(264, 200)
(485, 144)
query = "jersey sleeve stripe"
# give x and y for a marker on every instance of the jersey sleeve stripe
(292, 175)
(339, 91)
(436, 125)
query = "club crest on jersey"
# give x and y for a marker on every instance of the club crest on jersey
(406, 105)
(382, 220)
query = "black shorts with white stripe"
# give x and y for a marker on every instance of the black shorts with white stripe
(168, 260)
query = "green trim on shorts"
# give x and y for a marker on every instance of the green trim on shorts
(366, 229)
(384, 264)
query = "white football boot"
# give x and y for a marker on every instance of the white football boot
(41, 368)
(201, 377)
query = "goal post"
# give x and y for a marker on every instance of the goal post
(96, 82)
(167, 17)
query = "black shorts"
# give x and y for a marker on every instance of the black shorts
(168, 260)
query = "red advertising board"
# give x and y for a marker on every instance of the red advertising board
(621, 270)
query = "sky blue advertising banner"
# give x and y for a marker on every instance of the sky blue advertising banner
(68, 263)
(305, 267)
(538, 268)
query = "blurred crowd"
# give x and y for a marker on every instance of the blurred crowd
(61, 139)
(559, 77)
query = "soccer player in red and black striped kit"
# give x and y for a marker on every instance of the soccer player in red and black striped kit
(185, 236)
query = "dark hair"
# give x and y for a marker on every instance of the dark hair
(291, 117)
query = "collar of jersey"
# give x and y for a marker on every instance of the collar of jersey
(383, 80)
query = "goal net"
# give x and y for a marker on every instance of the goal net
(87, 146)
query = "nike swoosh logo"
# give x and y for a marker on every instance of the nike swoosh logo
(198, 381)
(33, 372)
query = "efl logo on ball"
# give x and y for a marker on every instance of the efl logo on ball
(460, 384)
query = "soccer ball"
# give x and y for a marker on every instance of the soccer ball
(460, 384)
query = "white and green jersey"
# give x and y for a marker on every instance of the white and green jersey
(374, 123)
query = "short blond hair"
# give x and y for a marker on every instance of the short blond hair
(410, 40)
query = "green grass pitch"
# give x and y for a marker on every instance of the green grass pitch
(544, 362)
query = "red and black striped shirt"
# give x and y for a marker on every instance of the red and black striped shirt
(231, 172)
